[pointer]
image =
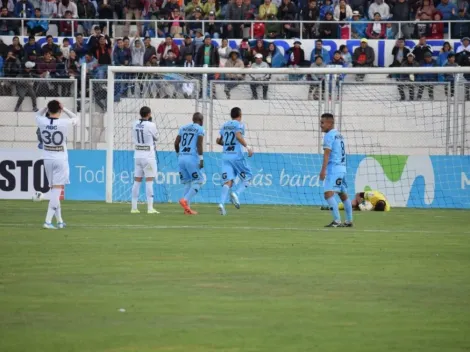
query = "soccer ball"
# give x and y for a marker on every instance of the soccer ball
(365, 206)
(38, 196)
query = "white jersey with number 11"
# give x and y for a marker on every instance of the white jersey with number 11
(144, 135)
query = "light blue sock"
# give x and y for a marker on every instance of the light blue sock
(334, 208)
(348, 209)
(242, 187)
(192, 192)
(187, 188)
(223, 196)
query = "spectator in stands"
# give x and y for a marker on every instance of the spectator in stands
(408, 62)
(236, 12)
(291, 29)
(425, 11)
(296, 55)
(381, 7)
(105, 12)
(80, 46)
(137, 52)
(67, 5)
(170, 6)
(274, 58)
(376, 29)
(327, 7)
(50, 46)
(11, 65)
(133, 8)
(6, 26)
(61, 73)
(436, 29)
(399, 52)
(342, 11)
(10, 5)
(421, 48)
(310, 13)
(224, 52)
(94, 39)
(462, 28)
(46, 68)
(149, 50)
(358, 30)
(26, 88)
(192, 27)
(69, 26)
(49, 8)
(213, 28)
(313, 89)
(329, 30)
(450, 77)
(90, 63)
(198, 39)
(234, 61)
(401, 12)
(464, 61)
(267, 9)
(170, 60)
(260, 48)
(359, 5)
(244, 50)
(86, 10)
(189, 8)
(165, 46)
(259, 63)
(346, 55)
(177, 25)
(186, 47)
(443, 53)
(363, 56)
(17, 48)
(389, 33)
(427, 77)
(447, 9)
(39, 26)
(24, 9)
(251, 12)
(212, 6)
(207, 54)
(103, 54)
(72, 65)
(464, 49)
(287, 10)
(320, 50)
(31, 46)
(121, 56)
(65, 48)
(273, 29)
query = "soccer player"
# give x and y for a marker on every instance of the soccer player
(189, 148)
(376, 198)
(144, 135)
(333, 171)
(53, 133)
(233, 161)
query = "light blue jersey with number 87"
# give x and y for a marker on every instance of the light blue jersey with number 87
(189, 135)
(232, 149)
(334, 141)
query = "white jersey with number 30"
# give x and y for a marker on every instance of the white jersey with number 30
(144, 135)
(54, 133)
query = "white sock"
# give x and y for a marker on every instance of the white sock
(53, 204)
(193, 190)
(242, 187)
(58, 213)
(149, 193)
(187, 188)
(135, 194)
(224, 194)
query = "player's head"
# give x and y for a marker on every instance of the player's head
(380, 206)
(327, 122)
(54, 108)
(198, 118)
(145, 113)
(236, 113)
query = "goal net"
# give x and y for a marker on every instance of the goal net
(404, 137)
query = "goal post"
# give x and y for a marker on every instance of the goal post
(413, 150)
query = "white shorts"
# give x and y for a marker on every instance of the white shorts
(145, 168)
(57, 172)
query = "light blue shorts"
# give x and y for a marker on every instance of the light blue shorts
(336, 182)
(189, 170)
(233, 168)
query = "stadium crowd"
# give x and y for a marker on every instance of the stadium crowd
(96, 50)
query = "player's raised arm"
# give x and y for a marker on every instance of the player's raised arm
(70, 114)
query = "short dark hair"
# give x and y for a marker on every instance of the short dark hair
(78, 35)
(53, 106)
(37, 9)
(235, 113)
(319, 41)
(327, 115)
(49, 36)
(68, 11)
(380, 206)
(341, 47)
(197, 117)
(125, 38)
(66, 40)
(31, 37)
(144, 111)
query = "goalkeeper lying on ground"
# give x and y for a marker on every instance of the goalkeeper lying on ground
(368, 200)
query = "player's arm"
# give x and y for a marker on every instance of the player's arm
(177, 144)
(200, 150)
(220, 140)
(242, 141)
(71, 115)
(326, 158)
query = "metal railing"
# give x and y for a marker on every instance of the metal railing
(156, 23)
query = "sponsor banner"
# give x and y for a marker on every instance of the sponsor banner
(383, 48)
(413, 181)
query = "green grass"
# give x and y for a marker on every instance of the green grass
(260, 279)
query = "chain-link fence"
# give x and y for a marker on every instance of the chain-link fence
(21, 97)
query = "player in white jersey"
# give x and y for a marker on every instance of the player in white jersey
(53, 132)
(144, 135)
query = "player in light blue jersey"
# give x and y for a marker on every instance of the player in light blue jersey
(333, 171)
(189, 148)
(233, 160)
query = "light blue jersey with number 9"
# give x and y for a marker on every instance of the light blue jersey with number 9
(334, 141)
(232, 149)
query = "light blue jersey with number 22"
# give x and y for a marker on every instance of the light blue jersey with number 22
(232, 149)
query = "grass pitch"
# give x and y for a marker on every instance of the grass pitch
(261, 279)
